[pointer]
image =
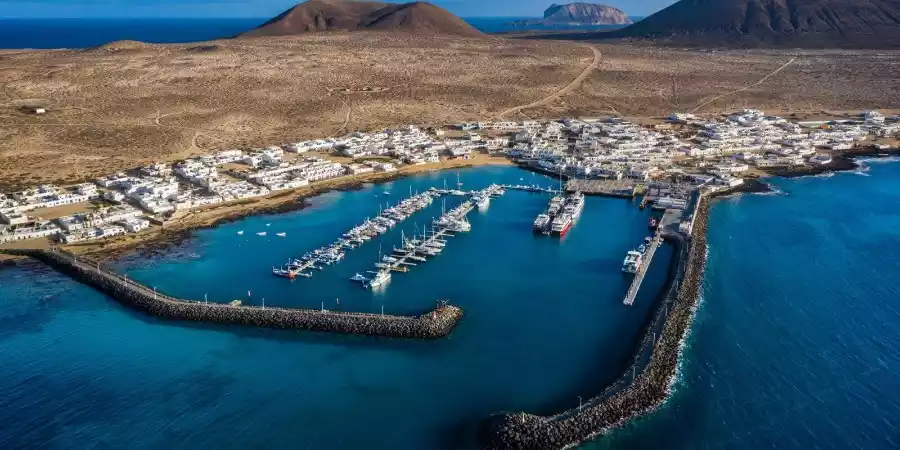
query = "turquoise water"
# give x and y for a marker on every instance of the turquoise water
(544, 325)
(795, 346)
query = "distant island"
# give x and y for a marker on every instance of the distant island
(767, 23)
(578, 14)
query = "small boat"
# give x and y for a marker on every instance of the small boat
(261, 233)
(240, 233)
(359, 278)
(281, 234)
(386, 193)
(268, 224)
(283, 273)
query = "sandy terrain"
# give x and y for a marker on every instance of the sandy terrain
(129, 103)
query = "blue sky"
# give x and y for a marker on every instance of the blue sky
(268, 8)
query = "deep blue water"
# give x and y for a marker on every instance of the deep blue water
(544, 325)
(796, 343)
(82, 33)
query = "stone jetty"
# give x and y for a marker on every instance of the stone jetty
(645, 385)
(434, 324)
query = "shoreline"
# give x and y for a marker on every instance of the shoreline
(172, 234)
(653, 386)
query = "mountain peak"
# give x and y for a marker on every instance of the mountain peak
(349, 15)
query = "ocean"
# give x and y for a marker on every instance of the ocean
(83, 33)
(544, 325)
(796, 343)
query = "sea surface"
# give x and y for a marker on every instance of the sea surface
(544, 325)
(83, 33)
(796, 343)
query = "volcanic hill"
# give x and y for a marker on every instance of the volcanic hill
(348, 15)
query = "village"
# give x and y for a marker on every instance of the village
(604, 156)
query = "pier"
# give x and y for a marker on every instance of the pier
(529, 188)
(433, 324)
(607, 188)
(642, 271)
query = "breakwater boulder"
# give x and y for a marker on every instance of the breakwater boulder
(434, 324)
(644, 386)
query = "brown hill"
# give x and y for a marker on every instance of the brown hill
(348, 15)
(766, 23)
(754, 23)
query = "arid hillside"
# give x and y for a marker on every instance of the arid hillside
(129, 103)
(116, 106)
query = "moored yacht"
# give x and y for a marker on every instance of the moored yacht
(380, 279)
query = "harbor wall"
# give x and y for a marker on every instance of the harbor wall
(434, 324)
(646, 384)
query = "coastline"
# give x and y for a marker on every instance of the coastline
(652, 387)
(173, 233)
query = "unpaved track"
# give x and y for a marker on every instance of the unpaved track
(571, 86)
(761, 81)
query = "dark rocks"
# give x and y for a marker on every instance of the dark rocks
(431, 325)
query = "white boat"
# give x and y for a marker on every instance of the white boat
(632, 262)
(261, 233)
(281, 234)
(268, 224)
(240, 233)
(359, 278)
(574, 204)
(541, 223)
(561, 224)
(380, 279)
(482, 201)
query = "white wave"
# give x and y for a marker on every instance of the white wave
(879, 160)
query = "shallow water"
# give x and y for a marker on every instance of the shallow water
(544, 324)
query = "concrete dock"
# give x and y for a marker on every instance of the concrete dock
(609, 188)
(642, 271)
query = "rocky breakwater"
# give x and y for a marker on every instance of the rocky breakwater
(643, 392)
(434, 324)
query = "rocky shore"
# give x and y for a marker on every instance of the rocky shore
(650, 387)
(434, 324)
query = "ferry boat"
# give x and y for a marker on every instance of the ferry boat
(574, 204)
(541, 223)
(632, 262)
(380, 279)
(561, 225)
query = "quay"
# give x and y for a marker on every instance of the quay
(642, 271)
(434, 324)
(529, 188)
(608, 188)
